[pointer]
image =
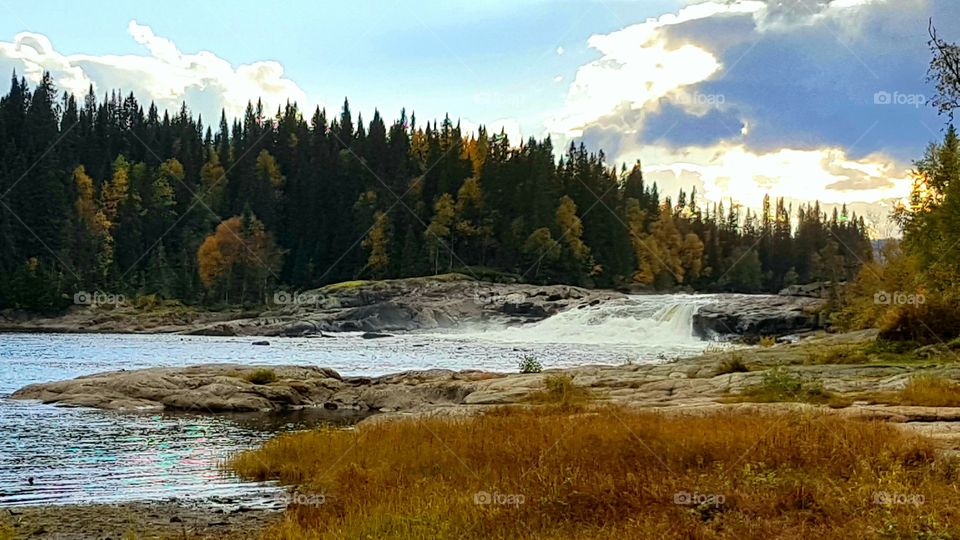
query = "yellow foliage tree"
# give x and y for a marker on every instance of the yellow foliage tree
(240, 257)
(377, 242)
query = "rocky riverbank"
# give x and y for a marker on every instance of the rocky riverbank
(365, 306)
(169, 519)
(705, 383)
(401, 305)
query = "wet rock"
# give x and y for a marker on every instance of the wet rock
(821, 290)
(754, 317)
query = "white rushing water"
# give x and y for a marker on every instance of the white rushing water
(661, 322)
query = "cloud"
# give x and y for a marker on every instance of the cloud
(733, 170)
(163, 74)
(763, 96)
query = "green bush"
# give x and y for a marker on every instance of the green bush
(529, 364)
(779, 385)
(934, 322)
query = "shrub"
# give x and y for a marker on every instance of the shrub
(932, 322)
(261, 376)
(780, 385)
(732, 364)
(529, 364)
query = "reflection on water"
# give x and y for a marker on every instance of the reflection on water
(83, 455)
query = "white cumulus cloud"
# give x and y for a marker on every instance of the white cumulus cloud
(638, 67)
(163, 74)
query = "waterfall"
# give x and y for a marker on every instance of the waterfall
(637, 320)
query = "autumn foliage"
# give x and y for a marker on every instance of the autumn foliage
(238, 260)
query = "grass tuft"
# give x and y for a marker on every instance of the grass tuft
(560, 390)
(261, 376)
(930, 391)
(733, 363)
(780, 385)
(767, 341)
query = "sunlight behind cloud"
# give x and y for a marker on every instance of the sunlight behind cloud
(673, 99)
(734, 171)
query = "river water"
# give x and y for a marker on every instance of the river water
(92, 456)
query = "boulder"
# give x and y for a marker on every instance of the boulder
(755, 316)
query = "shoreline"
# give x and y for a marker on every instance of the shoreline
(402, 305)
(136, 519)
(698, 386)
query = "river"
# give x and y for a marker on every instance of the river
(91, 456)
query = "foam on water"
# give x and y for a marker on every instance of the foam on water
(656, 321)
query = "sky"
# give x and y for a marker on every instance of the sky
(804, 99)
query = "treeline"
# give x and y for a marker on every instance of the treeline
(107, 195)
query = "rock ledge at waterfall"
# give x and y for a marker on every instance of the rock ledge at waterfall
(379, 308)
(753, 317)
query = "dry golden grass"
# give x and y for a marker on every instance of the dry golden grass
(612, 473)
(560, 390)
(767, 341)
(930, 391)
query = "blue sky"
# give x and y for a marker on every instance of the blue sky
(736, 97)
(483, 59)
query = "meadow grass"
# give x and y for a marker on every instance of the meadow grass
(607, 472)
(929, 391)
